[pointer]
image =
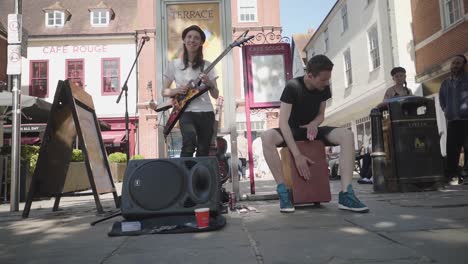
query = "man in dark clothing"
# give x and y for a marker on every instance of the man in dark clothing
(453, 97)
(302, 110)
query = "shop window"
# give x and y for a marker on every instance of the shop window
(75, 71)
(110, 76)
(254, 126)
(363, 132)
(39, 78)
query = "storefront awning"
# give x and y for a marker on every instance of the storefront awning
(113, 138)
(24, 140)
(27, 128)
(34, 110)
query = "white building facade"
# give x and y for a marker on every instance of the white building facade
(101, 65)
(92, 43)
(365, 39)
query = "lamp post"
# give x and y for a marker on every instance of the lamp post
(14, 69)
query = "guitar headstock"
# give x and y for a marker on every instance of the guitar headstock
(241, 40)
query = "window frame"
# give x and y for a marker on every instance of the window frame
(326, 39)
(344, 18)
(103, 92)
(54, 13)
(348, 70)
(374, 52)
(445, 15)
(245, 4)
(32, 78)
(82, 77)
(98, 11)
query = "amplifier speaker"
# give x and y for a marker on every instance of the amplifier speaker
(153, 187)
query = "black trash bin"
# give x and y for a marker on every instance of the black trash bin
(412, 160)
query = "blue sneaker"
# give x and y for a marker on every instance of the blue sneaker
(349, 201)
(286, 205)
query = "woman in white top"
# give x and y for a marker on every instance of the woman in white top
(197, 121)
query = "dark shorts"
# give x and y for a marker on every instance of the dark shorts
(300, 134)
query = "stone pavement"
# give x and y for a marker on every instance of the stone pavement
(422, 227)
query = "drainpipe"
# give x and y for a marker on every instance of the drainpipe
(389, 22)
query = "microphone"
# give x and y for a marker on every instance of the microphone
(145, 38)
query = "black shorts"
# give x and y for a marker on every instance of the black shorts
(300, 134)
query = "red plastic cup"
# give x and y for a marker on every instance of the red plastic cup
(202, 215)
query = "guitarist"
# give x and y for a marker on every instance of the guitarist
(197, 121)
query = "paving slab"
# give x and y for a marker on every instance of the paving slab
(426, 227)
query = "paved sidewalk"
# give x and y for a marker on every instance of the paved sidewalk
(424, 227)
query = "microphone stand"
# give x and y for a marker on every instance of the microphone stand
(125, 89)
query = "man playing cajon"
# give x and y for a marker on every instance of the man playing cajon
(302, 110)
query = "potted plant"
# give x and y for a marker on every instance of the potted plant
(77, 176)
(118, 164)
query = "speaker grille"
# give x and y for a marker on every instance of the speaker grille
(200, 183)
(157, 189)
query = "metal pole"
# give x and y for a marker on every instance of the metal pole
(16, 136)
(378, 152)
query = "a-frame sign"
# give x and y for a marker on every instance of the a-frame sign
(72, 114)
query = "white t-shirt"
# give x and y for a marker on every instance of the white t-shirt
(182, 77)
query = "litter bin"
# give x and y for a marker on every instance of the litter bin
(412, 160)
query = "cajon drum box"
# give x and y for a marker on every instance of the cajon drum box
(315, 190)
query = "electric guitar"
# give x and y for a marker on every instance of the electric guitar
(180, 102)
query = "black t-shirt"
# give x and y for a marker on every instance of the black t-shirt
(305, 103)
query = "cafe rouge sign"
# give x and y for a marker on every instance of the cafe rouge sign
(75, 49)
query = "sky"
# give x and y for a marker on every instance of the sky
(297, 16)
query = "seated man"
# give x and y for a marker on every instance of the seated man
(302, 110)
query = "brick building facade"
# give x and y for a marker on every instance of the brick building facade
(438, 40)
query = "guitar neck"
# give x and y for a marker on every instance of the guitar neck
(218, 59)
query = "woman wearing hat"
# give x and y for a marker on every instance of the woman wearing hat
(196, 123)
(400, 88)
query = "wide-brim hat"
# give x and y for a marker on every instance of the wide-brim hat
(196, 28)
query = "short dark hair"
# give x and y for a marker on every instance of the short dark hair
(463, 57)
(397, 70)
(319, 63)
